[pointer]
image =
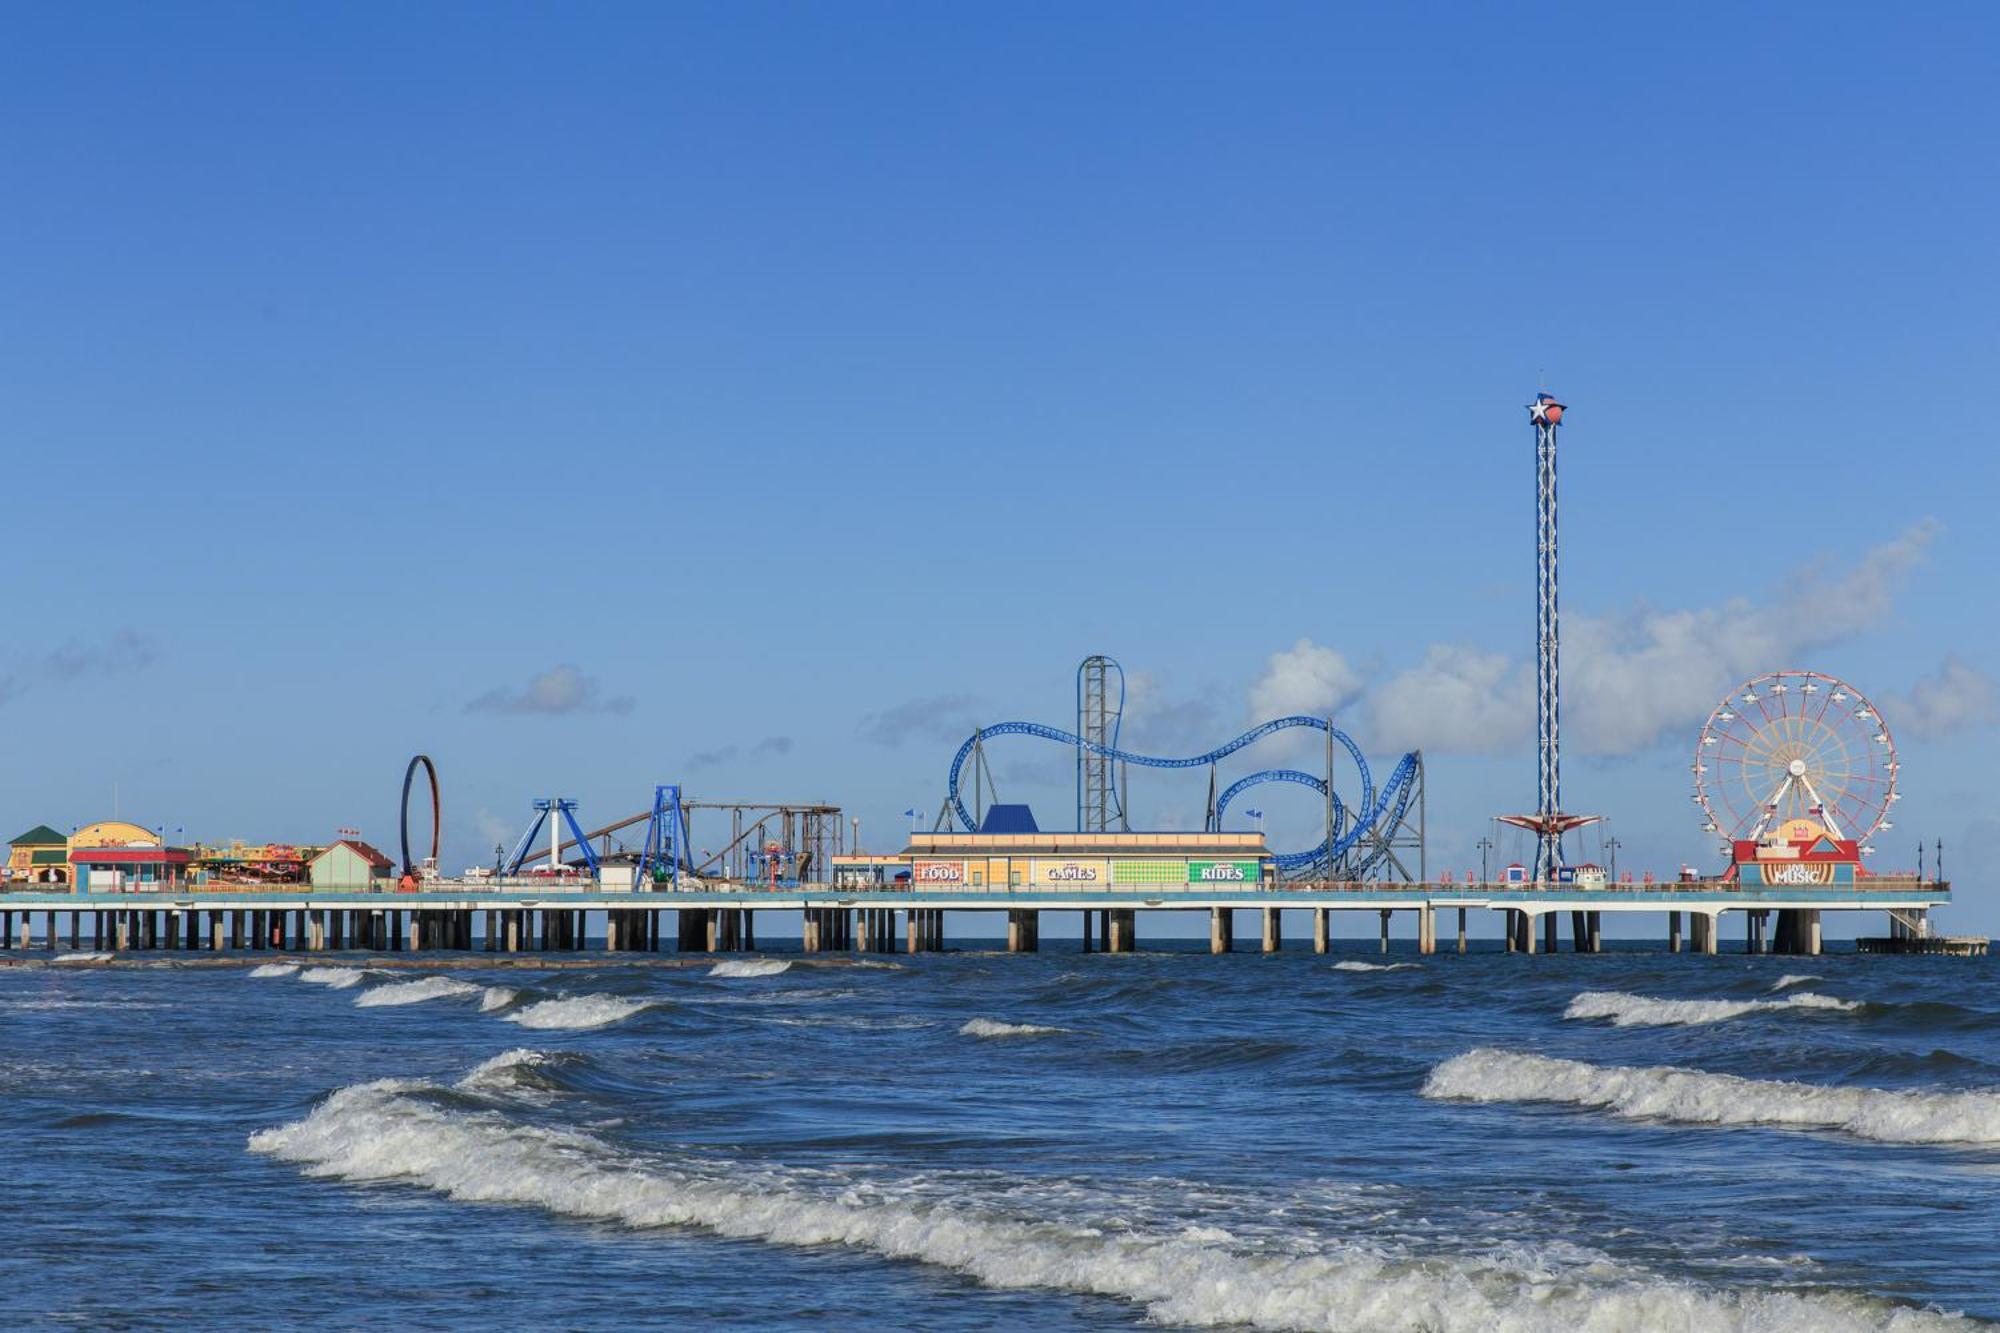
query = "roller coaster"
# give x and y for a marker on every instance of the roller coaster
(1360, 841)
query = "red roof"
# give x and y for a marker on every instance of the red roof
(125, 856)
(367, 853)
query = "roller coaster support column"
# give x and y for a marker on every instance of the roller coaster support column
(666, 844)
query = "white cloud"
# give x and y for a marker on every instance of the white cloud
(1955, 700)
(559, 690)
(1460, 699)
(1304, 679)
(1157, 724)
(1630, 679)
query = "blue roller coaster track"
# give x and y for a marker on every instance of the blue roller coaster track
(1381, 811)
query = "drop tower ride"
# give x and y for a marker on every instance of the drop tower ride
(1548, 823)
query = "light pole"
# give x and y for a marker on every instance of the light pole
(1485, 870)
(1612, 845)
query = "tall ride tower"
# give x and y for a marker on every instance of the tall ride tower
(1548, 823)
(1100, 796)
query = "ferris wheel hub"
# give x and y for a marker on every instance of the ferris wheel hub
(1797, 768)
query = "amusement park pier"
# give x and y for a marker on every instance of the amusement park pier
(1795, 772)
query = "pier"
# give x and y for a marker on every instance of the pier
(470, 917)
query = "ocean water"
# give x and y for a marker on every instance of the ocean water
(976, 1141)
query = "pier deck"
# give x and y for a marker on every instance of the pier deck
(720, 916)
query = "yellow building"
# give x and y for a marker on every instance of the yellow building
(113, 833)
(41, 855)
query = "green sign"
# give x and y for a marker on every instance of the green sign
(1223, 872)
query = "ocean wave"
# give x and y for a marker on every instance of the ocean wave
(83, 958)
(749, 967)
(1692, 1097)
(412, 992)
(274, 969)
(335, 978)
(405, 1131)
(497, 997)
(1794, 979)
(578, 1011)
(1644, 1011)
(987, 1027)
(503, 1069)
(1350, 965)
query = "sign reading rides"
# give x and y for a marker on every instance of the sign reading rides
(1222, 872)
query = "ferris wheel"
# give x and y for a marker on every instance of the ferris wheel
(1795, 745)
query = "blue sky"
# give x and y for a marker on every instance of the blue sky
(802, 384)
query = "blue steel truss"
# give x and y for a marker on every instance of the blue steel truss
(1348, 828)
(562, 809)
(666, 839)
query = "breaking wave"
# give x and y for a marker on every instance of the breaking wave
(1644, 1011)
(413, 992)
(1351, 965)
(749, 967)
(83, 958)
(274, 969)
(578, 1012)
(505, 1069)
(421, 1133)
(1691, 1097)
(986, 1027)
(1794, 979)
(337, 978)
(497, 997)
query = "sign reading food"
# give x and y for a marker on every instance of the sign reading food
(938, 872)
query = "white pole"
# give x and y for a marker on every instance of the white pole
(555, 834)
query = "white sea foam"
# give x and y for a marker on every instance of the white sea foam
(1690, 1096)
(987, 1027)
(578, 1011)
(83, 957)
(398, 1130)
(493, 1072)
(412, 992)
(1350, 965)
(1794, 979)
(1644, 1011)
(335, 978)
(274, 969)
(749, 967)
(497, 997)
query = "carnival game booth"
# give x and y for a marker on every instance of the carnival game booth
(1047, 861)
